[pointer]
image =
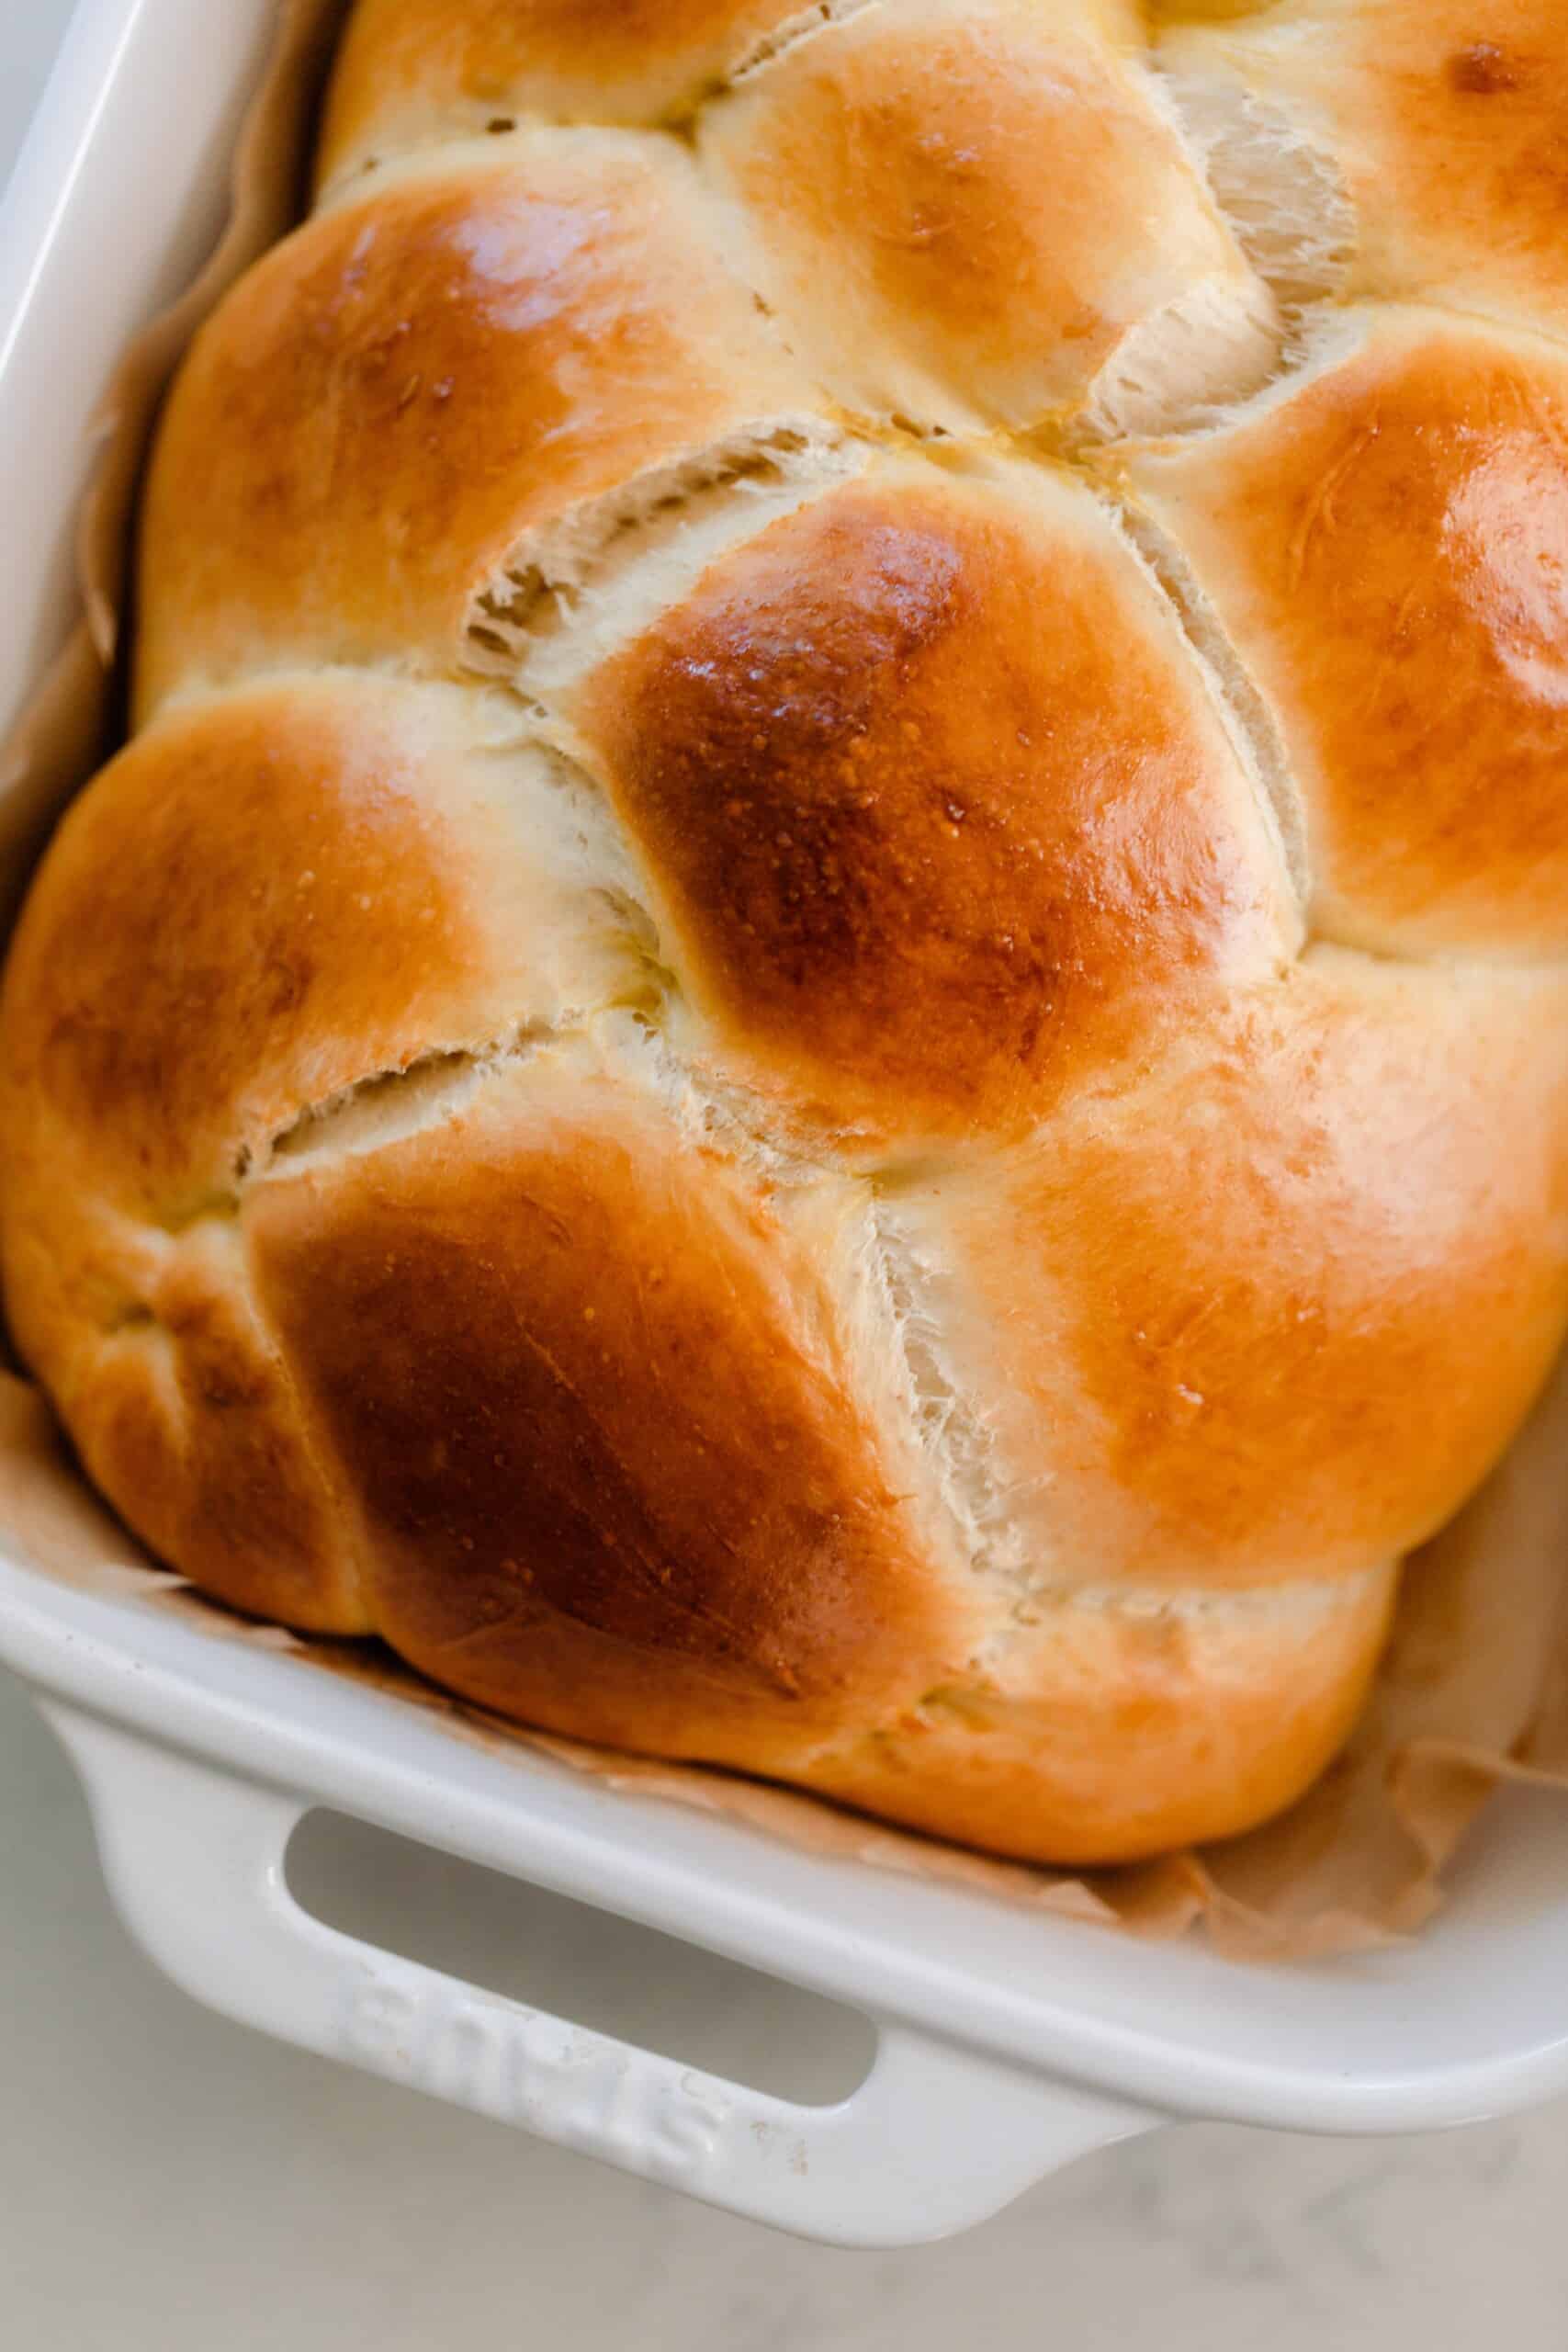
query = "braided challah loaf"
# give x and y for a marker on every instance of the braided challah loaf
(820, 1021)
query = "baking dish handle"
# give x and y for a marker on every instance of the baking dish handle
(934, 2139)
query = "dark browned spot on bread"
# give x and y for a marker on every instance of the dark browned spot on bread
(597, 1436)
(1482, 69)
(933, 810)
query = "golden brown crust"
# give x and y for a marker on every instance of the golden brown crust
(266, 900)
(1214, 1348)
(918, 248)
(411, 70)
(1444, 120)
(617, 1476)
(562, 1352)
(1387, 549)
(1110, 1733)
(692, 1067)
(938, 809)
(278, 895)
(187, 1417)
(400, 392)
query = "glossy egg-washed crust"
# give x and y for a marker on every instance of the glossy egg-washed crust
(783, 1054)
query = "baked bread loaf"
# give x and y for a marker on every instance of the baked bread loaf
(821, 1021)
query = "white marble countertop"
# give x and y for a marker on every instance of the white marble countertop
(171, 2184)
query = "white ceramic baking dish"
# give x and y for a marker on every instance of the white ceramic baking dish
(1008, 2042)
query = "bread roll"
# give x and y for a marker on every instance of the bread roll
(820, 1023)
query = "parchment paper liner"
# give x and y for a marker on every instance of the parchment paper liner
(1474, 1687)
